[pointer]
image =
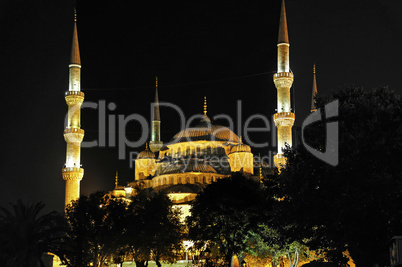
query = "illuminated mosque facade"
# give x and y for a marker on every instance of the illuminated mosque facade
(196, 156)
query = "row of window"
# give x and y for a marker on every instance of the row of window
(159, 181)
(196, 151)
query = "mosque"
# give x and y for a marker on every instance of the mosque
(196, 156)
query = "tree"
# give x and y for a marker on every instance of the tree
(224, 213)
(154, 228)
(354, 206)
(25, 235)
(97, 223)
(268, 242)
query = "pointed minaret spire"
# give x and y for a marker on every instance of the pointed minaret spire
(156, 143)
(75, 50)
(73, 134)
(283, 79)
(117, 179)
(314, 91)
(283, 36)
(205, 106)
(156, 102)
(260, 169)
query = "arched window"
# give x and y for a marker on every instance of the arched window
(179, 181)
(187, 180)
(209, 150)
(214, 150)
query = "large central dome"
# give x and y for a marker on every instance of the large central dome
(207, 131)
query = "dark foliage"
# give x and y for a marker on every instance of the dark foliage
(355, 206)
(224, 214)
(154, 229)
(25, 235)
(97, 223)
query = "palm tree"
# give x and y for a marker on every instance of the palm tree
(25, 235)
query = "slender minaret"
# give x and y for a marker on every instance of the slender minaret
(283, 79)
(156, 143)
(314, 91)
(73, 134)
(116, 182)
(205, 106)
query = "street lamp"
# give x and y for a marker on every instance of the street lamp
(243, 263)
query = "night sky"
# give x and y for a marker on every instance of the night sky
(225, 50)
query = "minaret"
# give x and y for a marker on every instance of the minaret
(205, 106)
(116, 182)
(314, 91)
(156, 143)
(73, 134)
(283, 79)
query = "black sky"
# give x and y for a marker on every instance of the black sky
(225, 50)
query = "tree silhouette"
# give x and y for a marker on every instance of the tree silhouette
(154, 228)
(97, 224)
(25, 235)
(224, 213)
(356, 205)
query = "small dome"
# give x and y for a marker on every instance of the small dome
(146, 154)
(240, 148)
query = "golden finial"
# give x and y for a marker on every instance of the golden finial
(146, 146)
(314, 68)
(117, 179)
(205, 105)
(241, 139)
(75, 15)
(156, 82)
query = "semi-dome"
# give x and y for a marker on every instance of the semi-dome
(146, 154)
(207, 131)
(240, 147)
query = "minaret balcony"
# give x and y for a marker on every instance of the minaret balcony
(78, 93)
(283, 80)
(279, 161)
(283, 75)
(287, 115)
(72, 173)
(73, 135)
(74, 130)
(74, 97)
(284, 119)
